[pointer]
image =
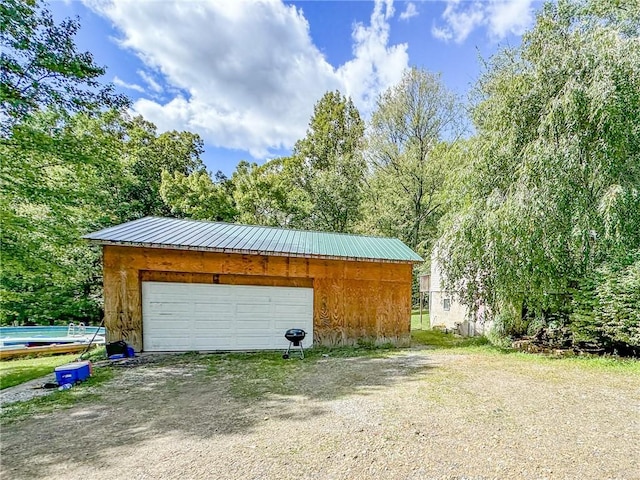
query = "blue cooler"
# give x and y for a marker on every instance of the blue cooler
(73, 372)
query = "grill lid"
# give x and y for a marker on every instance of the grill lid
(295, 334)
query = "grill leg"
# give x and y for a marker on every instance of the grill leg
(286, 354)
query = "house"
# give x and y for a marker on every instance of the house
(183, 285)
(447, 313)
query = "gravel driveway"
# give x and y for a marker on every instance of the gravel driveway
(416, 414)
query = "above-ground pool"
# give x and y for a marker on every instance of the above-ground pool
(74, 333)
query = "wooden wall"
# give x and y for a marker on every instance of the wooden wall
(353, 301)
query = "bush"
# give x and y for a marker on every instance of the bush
(607, 307)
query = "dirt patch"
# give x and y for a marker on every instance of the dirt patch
(416, 414)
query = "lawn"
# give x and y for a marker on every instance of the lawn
(415, 320)
(15, 372)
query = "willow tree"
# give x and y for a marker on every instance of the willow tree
(553, 189)
(411, 131)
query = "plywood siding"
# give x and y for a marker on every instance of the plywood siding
(353, 301)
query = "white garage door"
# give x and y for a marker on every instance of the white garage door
(192, 316)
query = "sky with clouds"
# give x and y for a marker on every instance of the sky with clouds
(245, 74)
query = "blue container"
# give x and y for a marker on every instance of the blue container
(73, 372)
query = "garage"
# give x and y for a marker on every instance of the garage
(184, 316)
(183, 285)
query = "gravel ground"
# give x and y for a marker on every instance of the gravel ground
(418, 414)
(27, 390)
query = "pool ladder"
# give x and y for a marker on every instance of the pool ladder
(74, 330)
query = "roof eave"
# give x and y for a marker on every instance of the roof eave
(245, 252)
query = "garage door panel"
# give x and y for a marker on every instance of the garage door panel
(212, 343)
(252, 308)
(204, 324)
(180, 317)
(206, 305)
(255, 341)
(169, 344)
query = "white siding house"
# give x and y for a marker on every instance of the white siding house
(446, 312)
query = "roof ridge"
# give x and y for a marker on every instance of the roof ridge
(272, 227)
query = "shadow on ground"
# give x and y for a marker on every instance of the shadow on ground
(198, 395)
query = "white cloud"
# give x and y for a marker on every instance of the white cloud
(500, 17)
(248, 72)
(130, 86)
(409, 12)
(514, 16)
(375, 65)
(149, 80)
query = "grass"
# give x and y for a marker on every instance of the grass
(415, 320)
(15, 372)
(441, 340)
(421, 334)
(57, 400)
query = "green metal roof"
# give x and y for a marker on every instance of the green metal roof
(175, 233)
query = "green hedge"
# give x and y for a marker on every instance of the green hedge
(607, 307)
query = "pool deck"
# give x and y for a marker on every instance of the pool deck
(8, 341)
(44, 350)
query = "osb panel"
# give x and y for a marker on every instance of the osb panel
(181, 277)
(263, 280)
(353, 301)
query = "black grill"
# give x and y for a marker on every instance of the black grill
(295, 337)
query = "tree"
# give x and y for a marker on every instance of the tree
(266, 195)
(196, 196)
(147, 155)
(328, 165)
(553, 190)
(41, 68)
(53, 165)
(65, 175)
(54, 189)
(412, 129)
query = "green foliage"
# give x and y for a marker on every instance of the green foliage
(607, 306)
(266, 195)
(320, 186)
(41, 66)
(145, 155)
(408, 156)
(327, 165)
(196, 196)
(52, 192)
(64, 176)
(552, 186)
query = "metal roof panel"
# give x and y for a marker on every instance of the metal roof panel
(213, 236)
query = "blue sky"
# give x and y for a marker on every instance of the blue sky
(245, 75)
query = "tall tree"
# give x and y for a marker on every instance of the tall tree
(54, 188)
(553, 191)
(411, 131)
(40, 66)
(328, 164)
(147, 155)
(49, 160)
